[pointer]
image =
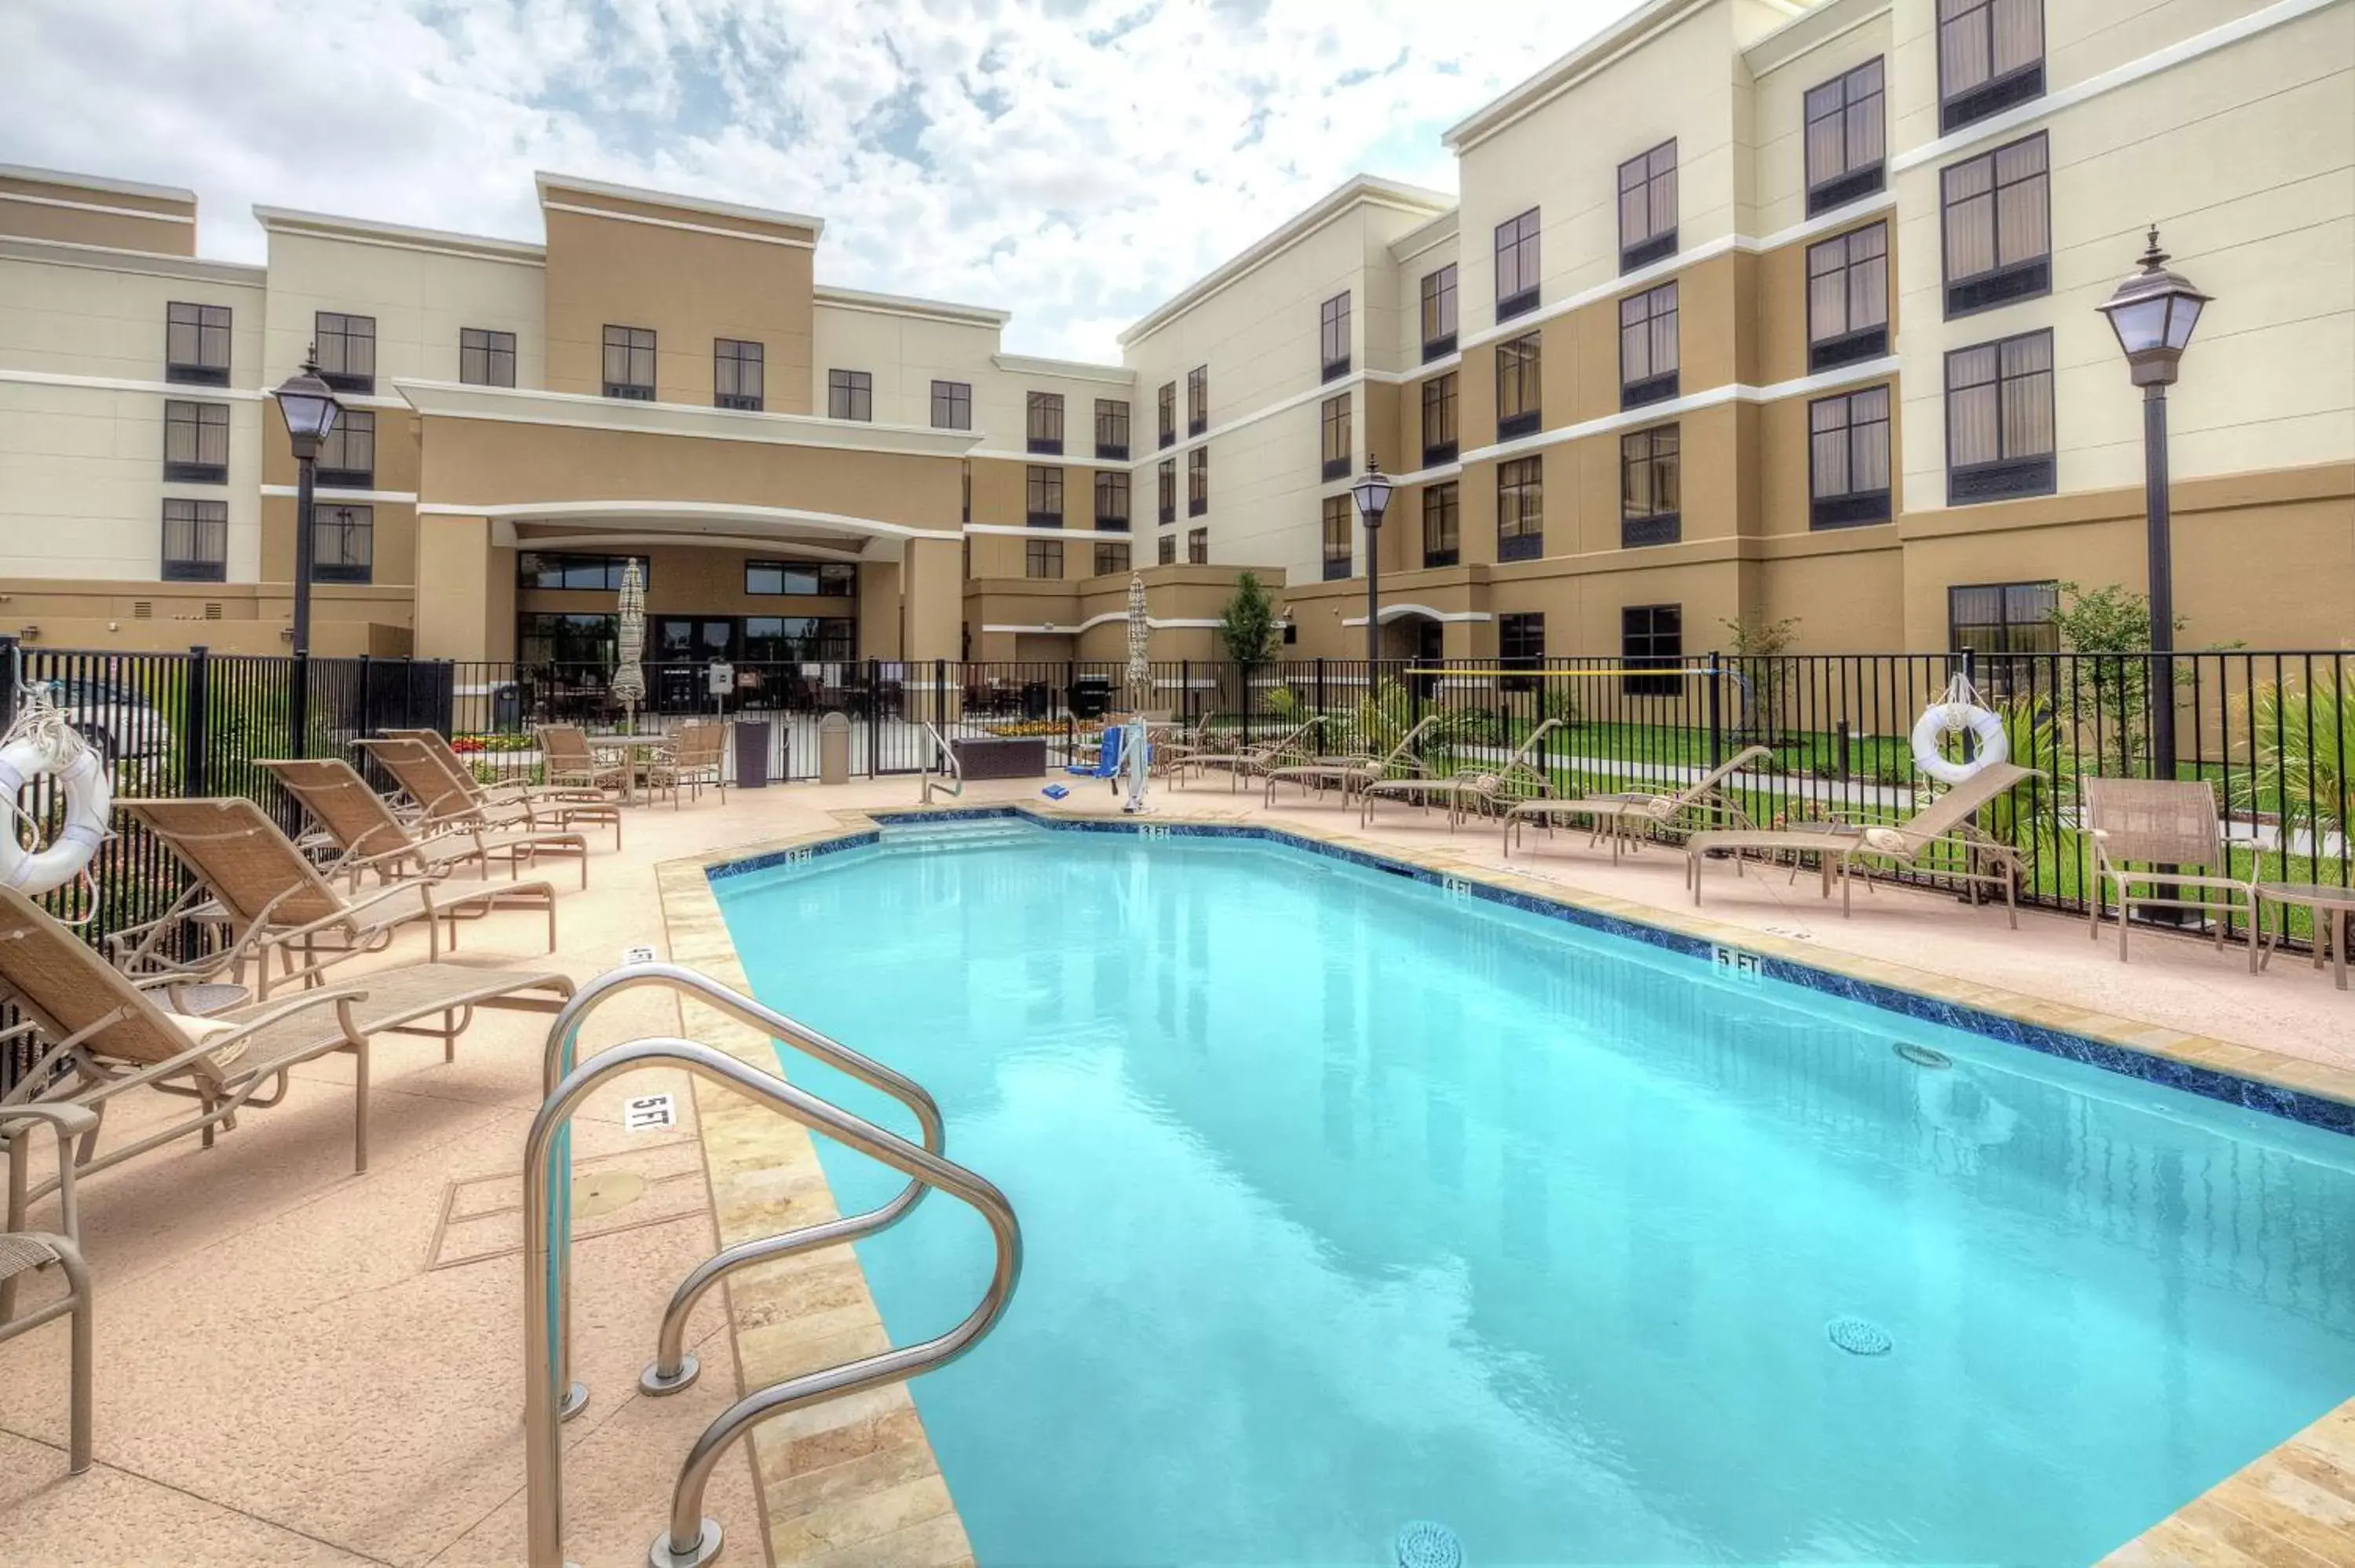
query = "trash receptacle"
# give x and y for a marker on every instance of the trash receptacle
(1034, 699)
(834, 750)
(752, 754)
(507, 709)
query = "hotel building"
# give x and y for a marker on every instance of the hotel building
(1744, 309)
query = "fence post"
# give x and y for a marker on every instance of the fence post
(941, 697)
(196, 725)
(10, 653)
(1716, 714)
(1320, 682)
(1185, 692)
(874, 718)
(298, 706)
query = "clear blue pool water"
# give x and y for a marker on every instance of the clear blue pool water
(1348, 1205)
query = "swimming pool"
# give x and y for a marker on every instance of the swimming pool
(1348, 1203)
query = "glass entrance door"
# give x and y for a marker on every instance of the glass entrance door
(682, 648)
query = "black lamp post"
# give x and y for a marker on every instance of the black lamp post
(1372, 494)
(2153, 313)
(310, 408)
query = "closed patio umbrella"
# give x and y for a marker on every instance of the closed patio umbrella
(629, 674)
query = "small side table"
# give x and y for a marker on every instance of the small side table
(2334, 921)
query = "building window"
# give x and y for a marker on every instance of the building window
(1648, 347)
(1198, 546)
(799, 639)
(1198, 399)
(1169, 487)
(1520, 510)
(1333, 335)
(348, 457)
(1168, 412)
(964, 493)
(1517, 387)
(1198, 482)
(1111, 558)
(343, 544)
(801, 579)
(630, 363)
(1520, 645)
(1517, 265)
(1439, 313)
(485, 357)
(1111, 427)
(1043, 488)
(1846, 146)
(1336, 538)
(1651, 488)
(1651, 637)
(548, 637)
(2003, 626)
(1848, 460)
(1990, 57)
(1996, 210)
(1847, 298)
(1043, 422)
(1648, 208)
(951, 405)
(1999, 433)
(1441, 544)
(565, 570)
(1439, 420)
(346, 349)
(195, 541)
(1167, 550)
(195, 443)
(850, 395)
(196, 349)
(1042, 558)
(1111, 498)
(737, 374)
(1336, 424)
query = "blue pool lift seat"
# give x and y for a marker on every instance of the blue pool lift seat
(1108, 756)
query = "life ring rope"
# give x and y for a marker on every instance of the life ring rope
(1960, 709)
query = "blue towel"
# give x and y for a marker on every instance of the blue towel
(1054, 791)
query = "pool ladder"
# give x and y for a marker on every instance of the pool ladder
(937, 747)
(551, 1396)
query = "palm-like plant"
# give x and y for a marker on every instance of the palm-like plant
(2305, 743)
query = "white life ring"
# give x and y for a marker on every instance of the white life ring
(90, 799)
(1937, 718)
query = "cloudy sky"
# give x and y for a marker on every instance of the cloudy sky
(1074, 161)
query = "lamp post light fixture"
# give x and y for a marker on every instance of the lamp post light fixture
(1372, 494)
(2153, 313)
(310, 409)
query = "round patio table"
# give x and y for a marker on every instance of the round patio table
(2334, 921)
(629, 748)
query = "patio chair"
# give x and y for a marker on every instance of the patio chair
(2139, 824)
(434, 741)
(371, 838)
(1246, 761)
(1628, 815)
(696, 757)
(1489, 789)
(24, 1251)
(1351, 774)
(571, 766)
(451, 798)
(274, 900)
(1927, 841)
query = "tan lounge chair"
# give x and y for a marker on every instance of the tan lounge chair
(434, 741)
(452, 798)
(1626, 817)
(2149, 823)
(693, 758)
(24, 1251)
(274, 899)
(1943, 827)
(1351, 774)
(1248, 761)
(371, 838)
(572, 766)
(1489, 789)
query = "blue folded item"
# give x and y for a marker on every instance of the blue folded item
(1054, 791)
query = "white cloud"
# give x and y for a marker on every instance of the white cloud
(1074, 161)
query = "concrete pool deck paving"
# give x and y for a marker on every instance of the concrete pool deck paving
(284, 1370)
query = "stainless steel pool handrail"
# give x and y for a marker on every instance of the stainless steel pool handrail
(692, 1540)
(941, 747)
(671, 1368)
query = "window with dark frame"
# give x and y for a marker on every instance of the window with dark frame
(1334, 421)
(581, 638)
(1990, 57)
(739, 374)
(1337, 538)
(1198, 482)
(2004, 627)
(1043, 490)
(1198, 399)
(1520, 510)
(348, 457)
(1847, 298)
(1111, 427)
(1995, 211)
(346, 345)
(801, 579)
(1439, 443)
(1648, 347)
(1847, 139)
(1651, 637)
(195, 443)
(1517, 265)
(850, 395)
(964, 492)
(576, 571)
(1442, 547)
(1167, 482)
(343, 544)
(951, 405)
(1651, 488)
(195, 348)
(1111, 498)
(1520, 645)
(630, 363)
(1848, 460)
(1042, 558)
(1111, 557)
(1333, 335)
(1999, 422)
(1198, 546)
(1167, 550)
(1043, 422)
(1648, 207)
(486, 357)
(1168, 401)
(1439, 313)
(1517, 413)
(195, 541)
(799, 639)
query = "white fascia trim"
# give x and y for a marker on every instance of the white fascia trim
(909, 305)
(353, 399)
(1282, 404)
(528, 406)
(676, 223)
(94, 182)
(1440, 366)
(399, 237)
(1653, 413)
(1017, 530)
(97, 207)
(326, 493)
(1439, 475)
(1419, 241)
(716, 511)
(1050, 460)
(503, 535)
(1799, 37)
(146, 264)
(1581, 62)
(1049, 627)
(1399, 611)
(2227, 34)
(1069, 369)
(122, 384)
(543, 178)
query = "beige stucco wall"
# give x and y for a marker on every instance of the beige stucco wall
(61, 207)
(421, 297)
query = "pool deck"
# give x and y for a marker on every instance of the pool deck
(304, 1364)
